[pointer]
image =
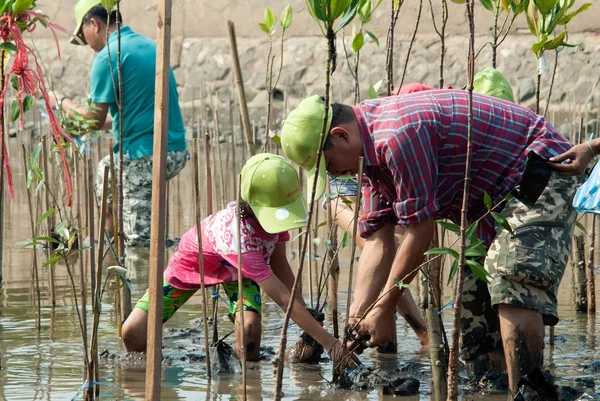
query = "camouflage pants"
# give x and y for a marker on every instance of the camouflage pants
(137, 192)
(525, 267)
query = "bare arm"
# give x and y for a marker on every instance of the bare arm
(99, 115)
(283, 271)
(373, 269)
(579, 156)
(279, 293)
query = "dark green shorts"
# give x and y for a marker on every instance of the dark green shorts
(174, 298)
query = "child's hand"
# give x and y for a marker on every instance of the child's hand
(342, 358)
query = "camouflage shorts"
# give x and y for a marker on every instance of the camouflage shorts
(525, 267)
(137, 192)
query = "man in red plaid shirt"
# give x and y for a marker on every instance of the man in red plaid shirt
(414, 150)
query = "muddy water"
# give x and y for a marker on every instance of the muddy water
(48, 365)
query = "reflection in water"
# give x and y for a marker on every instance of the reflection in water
(49, 366)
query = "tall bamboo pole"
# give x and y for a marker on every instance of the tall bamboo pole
(200, 253)
(240, 285)
(579, 279)
(3, 137)
(121, 238)
(591, 285)
(157, 226)
(82, 282)
(239, 81)
(334, 272)
(89, 394)
(453, 358)
(50, 220)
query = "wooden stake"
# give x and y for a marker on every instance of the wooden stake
(579, 279)
(208, 175)
(591, 285)
(50, 220)
(3, 137)
(354, 229)
(82, 281)
(89, 394)
(239, 81)
(219, 157)
(200, 253)
(157, 227)
(335, 266)
(240, 284)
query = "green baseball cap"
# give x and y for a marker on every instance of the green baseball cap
(300, 136)
(271, 187)
(491, 82)
(81, 9)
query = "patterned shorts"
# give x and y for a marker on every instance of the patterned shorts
(525, 268)
(173, 298)
(137, 192)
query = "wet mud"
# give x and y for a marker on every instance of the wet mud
(367, 378)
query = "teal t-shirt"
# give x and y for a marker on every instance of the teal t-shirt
(138, 59)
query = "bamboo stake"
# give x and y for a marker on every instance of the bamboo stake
(239, 81)
(240, 284)
(335, 266)
(220, 158)
(412, 41)
(208, 175)
(38, 318)
(591, 285)
(435, 326)
(389, 61)
(50, 220)
(354, 229)
(286, 320)
(200, 253)
(453, 359)
(89, 394)
(579, 281)
(125, 311)
(82, 283)
(157, 228)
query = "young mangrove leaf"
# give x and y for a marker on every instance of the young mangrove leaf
(8, 46)
(442, 251)
(476, 250)
(321, 224)
(108, 5)
(449, 226)
(45, 215)
(581, 227)
(358, 42)
(372, 36)
(345, 239)
(453, 270)
(470, 234)
(351, 11)
(487, 4)
(286, 17)
(14, 110)
(269, 18)
(20, 6)
(27, 103)
(503, 222)
(487, 200)
(477, 270)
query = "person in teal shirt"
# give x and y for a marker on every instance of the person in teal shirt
(138, 60)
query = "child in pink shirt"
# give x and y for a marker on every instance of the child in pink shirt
(272, 204)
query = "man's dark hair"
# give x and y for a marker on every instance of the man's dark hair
(99, 12)
(342, 114)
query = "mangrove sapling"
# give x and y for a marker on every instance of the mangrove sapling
(325, 15)
(452, 393)
(365, 12)
(591, 284)
(200, 254)
(441, 32)
(208, 175)
(2, 139)
(49, 221)
(272, 77)
(542, 19)
(389, 59)
(556, 52)
(412, 41)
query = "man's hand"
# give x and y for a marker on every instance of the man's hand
(579, 156)
(375, 330)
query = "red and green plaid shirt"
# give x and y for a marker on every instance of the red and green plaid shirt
(415, 152)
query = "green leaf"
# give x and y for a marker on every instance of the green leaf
(477, 270)
(503, 222)
(538, 46)
(364, 11)
(476, 250)
(45, 215)
(556, 42)
(372, 36)
(453, 270)
(358, 42)
(442, 251)
(533, 19)
(487, 4)
(345, 239)
(347, 202)
(568, 17)
(27, 103)
(269, 18)
(316, 10)
(108, 4)
(349, 15)
(321, 224)
(286, 17)
(8, 46)
(72, 239)
(14, 110)
(449, 226)
(581, 227)
(400, 284)
(62, 230)
(487, 200)
(508, 197)
(264, 28)
(545, 6)
(470, 233)
(20, 6)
